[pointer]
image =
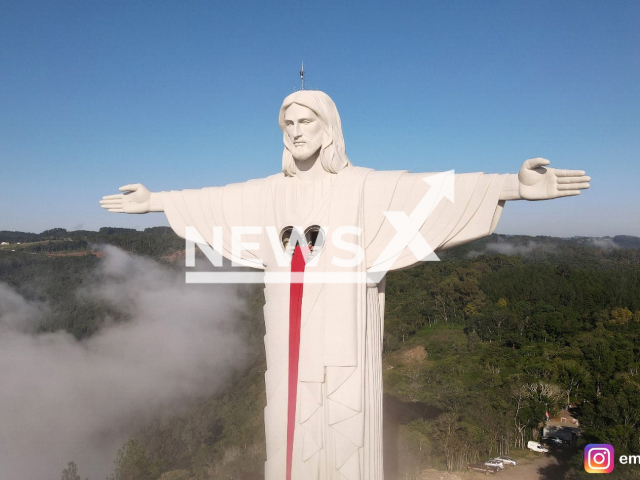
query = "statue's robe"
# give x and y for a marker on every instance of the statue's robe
(338, 431)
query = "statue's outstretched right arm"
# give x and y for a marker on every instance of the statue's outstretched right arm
(136, 198)
(202, 209)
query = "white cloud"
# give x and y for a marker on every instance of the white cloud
(506, 247)
(64, 399)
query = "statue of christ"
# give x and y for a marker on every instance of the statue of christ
(323, 419)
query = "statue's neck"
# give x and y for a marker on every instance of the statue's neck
(310, 170)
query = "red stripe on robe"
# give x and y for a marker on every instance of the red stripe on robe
(295, 311)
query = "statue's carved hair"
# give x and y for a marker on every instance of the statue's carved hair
(333, 155)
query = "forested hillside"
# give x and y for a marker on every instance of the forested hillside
(506, 338)
(477, 348)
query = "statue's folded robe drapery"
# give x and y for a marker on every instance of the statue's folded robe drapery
(339, 411)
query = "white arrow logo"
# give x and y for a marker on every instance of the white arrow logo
(408, 227)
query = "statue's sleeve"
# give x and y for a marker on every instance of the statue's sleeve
(473, 214)
(235, 205)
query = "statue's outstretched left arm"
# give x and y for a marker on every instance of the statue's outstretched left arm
(535, 181)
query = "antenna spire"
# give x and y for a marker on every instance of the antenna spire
(302, 76)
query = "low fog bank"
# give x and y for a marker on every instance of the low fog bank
(541, 247)
(63, 399)
(506, 247)
(603, 243)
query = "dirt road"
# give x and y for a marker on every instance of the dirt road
(534, 466)
(541, 467)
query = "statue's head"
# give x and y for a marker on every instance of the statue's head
(326, 137)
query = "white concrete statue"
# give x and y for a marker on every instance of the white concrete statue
(323, 418)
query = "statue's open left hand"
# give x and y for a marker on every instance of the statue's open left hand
(136, 199)
(538, 182)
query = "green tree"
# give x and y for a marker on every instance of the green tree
(133, 463)
(71, 472)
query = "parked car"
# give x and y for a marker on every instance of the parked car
(552, 440)
(494, 463)
(480, 467)
(506, 460)
(536, 447)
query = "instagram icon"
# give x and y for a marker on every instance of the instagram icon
(598, 458)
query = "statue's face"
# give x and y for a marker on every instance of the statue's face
(304, 129)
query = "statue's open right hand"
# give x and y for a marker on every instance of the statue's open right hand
(135, 199)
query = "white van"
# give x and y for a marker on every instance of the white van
(536, 447)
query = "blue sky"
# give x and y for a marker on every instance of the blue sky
(94, 95)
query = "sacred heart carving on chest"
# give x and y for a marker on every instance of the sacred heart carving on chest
(313, 238)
